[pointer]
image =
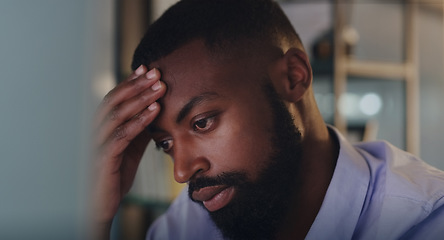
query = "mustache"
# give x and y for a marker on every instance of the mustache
(229, 179)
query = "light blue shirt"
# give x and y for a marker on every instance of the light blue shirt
(377, 192)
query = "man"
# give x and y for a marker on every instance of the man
(224, 87)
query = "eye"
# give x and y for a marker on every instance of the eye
(204, 124)
(165, 145)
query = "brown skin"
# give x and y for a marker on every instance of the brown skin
(292, 76)
(223, 145)
(233, 132)
(121, 141)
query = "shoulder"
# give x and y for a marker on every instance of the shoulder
(405, 193)
(184, 219)
(403, 174)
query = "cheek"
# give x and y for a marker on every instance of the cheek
(241, 145)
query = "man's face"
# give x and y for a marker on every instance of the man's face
(220, 122)
(213, 119)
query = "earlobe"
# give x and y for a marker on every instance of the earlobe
(298, 74)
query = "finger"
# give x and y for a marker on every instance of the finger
(129, 109)
(125, 91)
(128, 89)
(122, 136)
(136, 73)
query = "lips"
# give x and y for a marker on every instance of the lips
(214, 197)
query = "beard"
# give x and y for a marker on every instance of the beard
(259, 207)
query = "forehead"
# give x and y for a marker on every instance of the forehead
(196, 61)
(192, 70)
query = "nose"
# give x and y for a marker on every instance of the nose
(188, 162)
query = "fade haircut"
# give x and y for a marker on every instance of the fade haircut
(222, 24)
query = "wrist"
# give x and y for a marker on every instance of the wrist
(101, 230)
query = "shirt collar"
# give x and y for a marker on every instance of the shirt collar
(345, 195)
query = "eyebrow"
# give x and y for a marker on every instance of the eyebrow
(195, 101)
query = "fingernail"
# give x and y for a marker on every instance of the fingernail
(153, 106)
(156, 86)
(151, 74)
(139, 70)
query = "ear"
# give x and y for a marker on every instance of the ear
(293, 76)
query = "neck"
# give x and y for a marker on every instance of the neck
(320, 152)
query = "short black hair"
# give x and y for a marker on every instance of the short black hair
(220, 23)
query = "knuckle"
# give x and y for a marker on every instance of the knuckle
(114, 114)
(107, 98)
(119, 133)
(139, 119)
(133, 84)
